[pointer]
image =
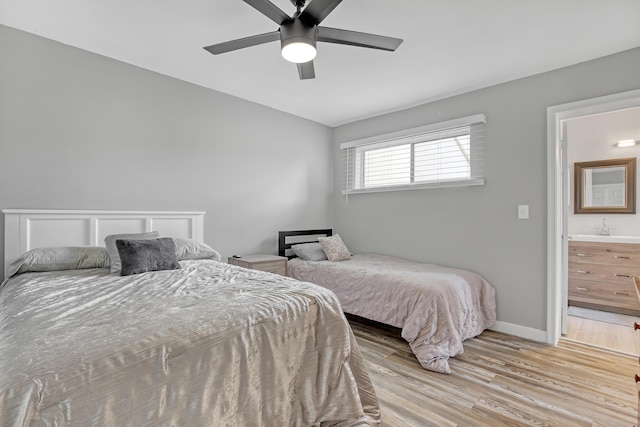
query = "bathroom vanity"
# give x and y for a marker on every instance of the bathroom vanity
(601, 272)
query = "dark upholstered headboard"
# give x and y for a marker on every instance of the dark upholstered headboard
(288, 238)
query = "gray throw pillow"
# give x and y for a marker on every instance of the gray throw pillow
(309, 251)
(110, 244)
(142, 255)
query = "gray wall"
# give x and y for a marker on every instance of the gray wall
(477, 227)
(81, 131)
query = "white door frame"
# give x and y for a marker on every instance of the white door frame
(557, 202)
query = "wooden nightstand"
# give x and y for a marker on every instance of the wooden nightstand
(270, 263)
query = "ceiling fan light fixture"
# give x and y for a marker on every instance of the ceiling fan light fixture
(626, 143)
(298, 52)
(300, 33)
(298, 41)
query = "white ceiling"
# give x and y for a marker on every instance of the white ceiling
(450, 46)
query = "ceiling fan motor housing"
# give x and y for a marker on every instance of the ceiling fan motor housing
(299, 4)
(294, 31)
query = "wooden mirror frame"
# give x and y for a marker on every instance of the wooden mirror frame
(630, 186)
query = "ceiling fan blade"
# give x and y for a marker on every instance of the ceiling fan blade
(306, 71)
(224, 47)
(317, 10)
(354, 38)
(269, 10)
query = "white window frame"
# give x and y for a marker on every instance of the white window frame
(353, 154)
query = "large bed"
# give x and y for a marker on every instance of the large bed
(436, 307)
(202, 343)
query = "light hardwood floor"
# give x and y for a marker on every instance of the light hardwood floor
(622, 338)
(500, 380)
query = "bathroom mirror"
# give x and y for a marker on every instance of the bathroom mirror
(605, 186)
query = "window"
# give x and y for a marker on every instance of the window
(441, 154)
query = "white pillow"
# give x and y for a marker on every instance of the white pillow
(335, 248)
(60, 258)
(110, 244)
(193, 249)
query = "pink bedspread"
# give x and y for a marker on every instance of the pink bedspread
(437, 307)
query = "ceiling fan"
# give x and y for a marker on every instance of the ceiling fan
(298, 34)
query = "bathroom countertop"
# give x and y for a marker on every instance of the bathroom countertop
(607, 239)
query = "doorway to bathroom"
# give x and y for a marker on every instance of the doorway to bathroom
(577, 132)
(603, 236)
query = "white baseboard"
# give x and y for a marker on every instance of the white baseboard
(520, 331)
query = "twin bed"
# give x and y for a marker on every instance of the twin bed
(436, 307)
(204, 344)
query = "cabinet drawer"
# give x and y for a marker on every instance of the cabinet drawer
(605, 253)
(579, 287)
(604, 293)
(620, 274)
(628, 260)
(278, 267)
(269, 263)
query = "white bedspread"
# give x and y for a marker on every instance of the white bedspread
(436, 307)
(207, 345)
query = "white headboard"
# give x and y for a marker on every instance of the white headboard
(26, 229)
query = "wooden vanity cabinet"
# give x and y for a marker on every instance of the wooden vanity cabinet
(601, 276)
(636, 326)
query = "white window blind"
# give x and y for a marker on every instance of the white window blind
(449, 153)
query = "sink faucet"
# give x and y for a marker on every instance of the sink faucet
(604, 231)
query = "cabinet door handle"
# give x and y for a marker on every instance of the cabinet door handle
(637, 378)
(622, 275)
(622, 293)
(583, 255)
(621, 257)
(635, 328)
(583, 289)
(583, 272)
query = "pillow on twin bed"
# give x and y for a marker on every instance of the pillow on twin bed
(110, 244)
(309, 251)
(142, 255)
(335, 248)
(60, 258)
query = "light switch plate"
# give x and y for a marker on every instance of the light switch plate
(523, 211)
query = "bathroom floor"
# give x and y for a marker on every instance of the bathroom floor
(621, 338)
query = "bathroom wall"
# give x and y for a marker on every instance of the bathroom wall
(594, 138)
